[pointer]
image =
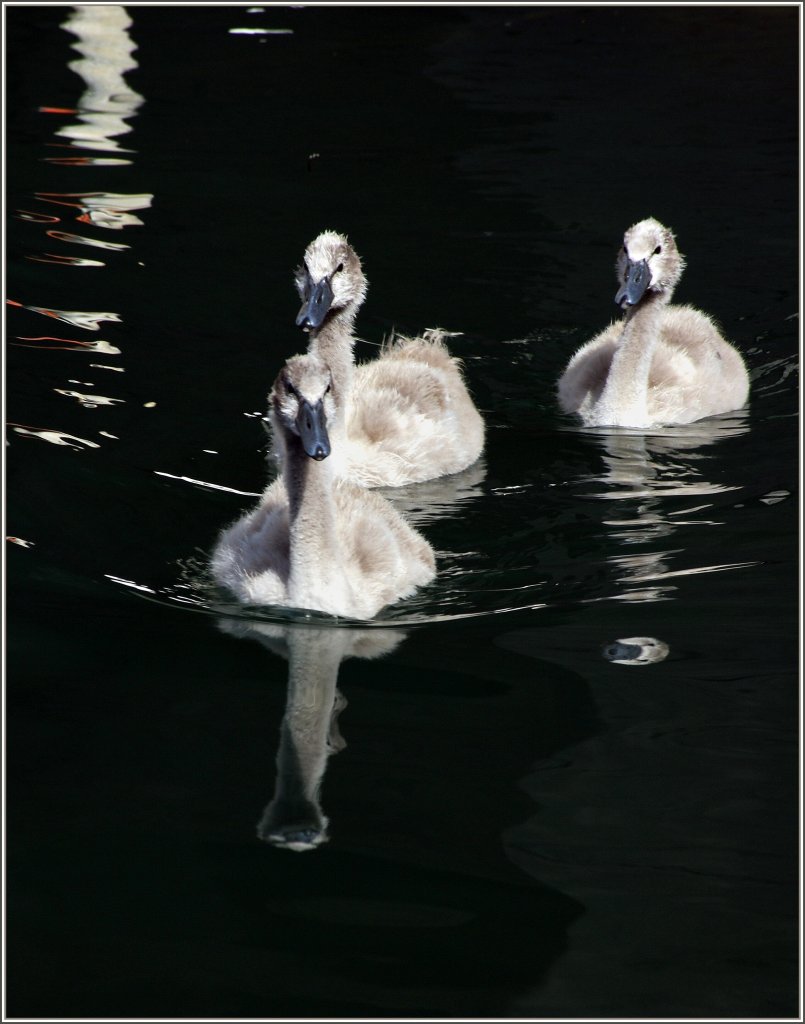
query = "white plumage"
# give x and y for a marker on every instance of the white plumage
(316, 540)
(660, 364)
(408, 416)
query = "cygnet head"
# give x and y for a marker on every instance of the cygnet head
(329, 282)
(648, 262)
(302, 404)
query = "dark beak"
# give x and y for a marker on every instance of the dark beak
(637, 279)
(312, 427)
(314, 308)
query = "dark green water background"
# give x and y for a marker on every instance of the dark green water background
(518, 826)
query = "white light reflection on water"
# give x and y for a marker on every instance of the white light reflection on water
(66, 236)
(85, 320)
(655, 574)
(106, 55)
(206, 485)
(110, 210)
(131, 584)
(67, 261)
(261, 31)
(69, 345)
(59, 437)
(106, 51)
(88, 401)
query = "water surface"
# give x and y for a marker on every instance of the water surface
(485, 812)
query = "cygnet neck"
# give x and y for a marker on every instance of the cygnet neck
(309, 485)
(625, 394)
(314, 558)
(334, 342)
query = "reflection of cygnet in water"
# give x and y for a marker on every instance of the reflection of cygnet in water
(671, 464)
(636, 650)
(661, 363)
(316, 541)
(438, 498)
(309, 734)
(641, 473)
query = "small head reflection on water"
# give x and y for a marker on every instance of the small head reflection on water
(636, 650)
(309, 734)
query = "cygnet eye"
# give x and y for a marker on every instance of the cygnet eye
(339, 267)
(657, 251)
(289, 388)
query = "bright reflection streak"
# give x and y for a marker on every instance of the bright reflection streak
(104, 209)
(206, 485)
(89, 401)
(56, 437)
(106, 55)
(66, 236)
(130, 584)
(70, 345)
(87, 321)
(261, 31)
(68, 261)
(689, 572)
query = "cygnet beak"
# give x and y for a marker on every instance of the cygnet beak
(312, 426)
(314, 308)
(636, 279)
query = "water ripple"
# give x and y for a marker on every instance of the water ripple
(88, 401)
(66, 236)
(106, 51)
(110, 210)
(71, 344)
(86, 320)
(66, 261)
(58, 437)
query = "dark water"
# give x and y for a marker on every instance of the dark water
(518, 826)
